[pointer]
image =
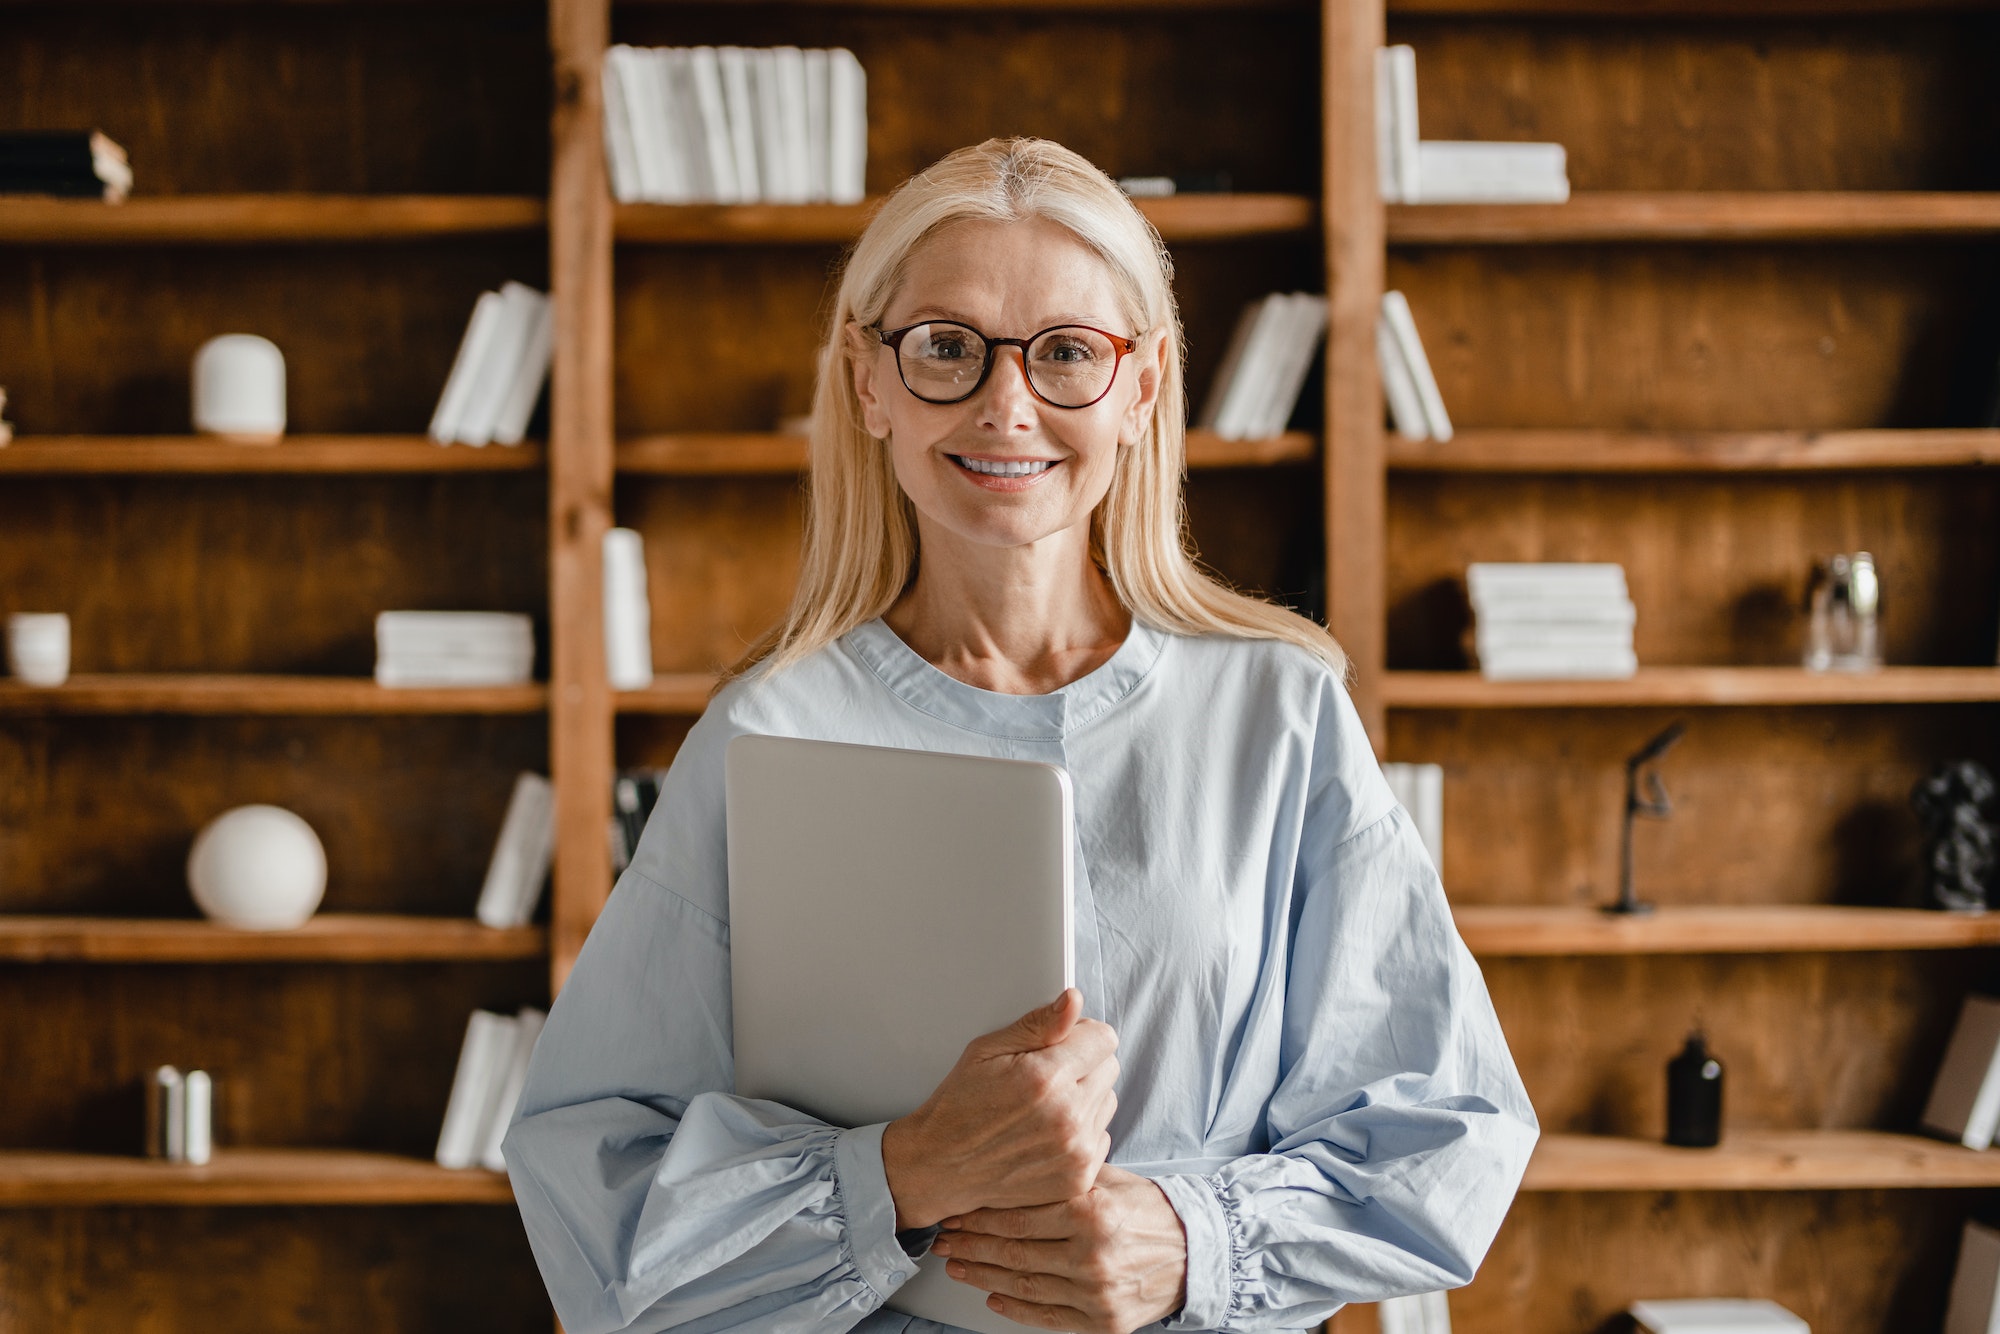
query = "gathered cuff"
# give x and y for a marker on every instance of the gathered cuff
(873, 1248)
(1211, 1252)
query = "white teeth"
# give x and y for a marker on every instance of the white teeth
(999, 469)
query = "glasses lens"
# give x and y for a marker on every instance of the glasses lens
(1071, 366)
(941, 362)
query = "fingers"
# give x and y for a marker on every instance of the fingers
(1050, 1221)
(1022, 1256)
(1045, 1027)
(1041, 1317)
(1035, 1288)
(1088, 1045)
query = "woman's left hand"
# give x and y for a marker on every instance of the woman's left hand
(1106, 1262)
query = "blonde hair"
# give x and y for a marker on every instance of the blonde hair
(860, 550)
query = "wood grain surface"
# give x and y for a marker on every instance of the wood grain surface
(327, 937)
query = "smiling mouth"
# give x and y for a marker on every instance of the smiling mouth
(1000, 468)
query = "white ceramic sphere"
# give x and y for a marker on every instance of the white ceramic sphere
(239, 388)
(257, 868)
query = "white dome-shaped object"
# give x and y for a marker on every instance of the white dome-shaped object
(239, 389)
(257, 868)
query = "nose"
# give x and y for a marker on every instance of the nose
(1007, 403)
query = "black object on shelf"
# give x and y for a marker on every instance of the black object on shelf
(1694, 1096)
(1961, 851)
(1654, 805)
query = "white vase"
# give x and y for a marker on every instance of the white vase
(257, 868)
(239, 389)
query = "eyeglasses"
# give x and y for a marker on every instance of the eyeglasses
(1068, 366)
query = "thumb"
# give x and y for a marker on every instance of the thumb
(1039, 1028)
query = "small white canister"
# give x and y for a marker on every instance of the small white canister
(38, 647)
(239, 389)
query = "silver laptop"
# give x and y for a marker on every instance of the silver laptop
(885, 908)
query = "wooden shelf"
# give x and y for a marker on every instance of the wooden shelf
(1760, 1160)
(1179, 218)
(1515, 931)
(1530, 450)
(1695, 687)
(223, 693)
(683, 693)
(329, 938)
(71, 455)
(1701, 216)
(31, 1179)
(741, 453)
(1645, 9)
(233, 219)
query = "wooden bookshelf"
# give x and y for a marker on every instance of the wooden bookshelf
(71, 456)
(1529, 930)
(747, 453)
(1760, 1160)
(1656, 687)
(1723, 216)
(681, 693)
(231, 694)
(1582, 450)
(326, 938)
(238, 1177)
(264, 218)
(1179, 218)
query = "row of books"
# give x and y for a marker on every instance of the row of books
(492, 1068)
(1552, 621)
(497, 376)
(74, 164)
(735, 125)
(522, 855)
(1419, 1313)
(1408, 386)
(1452, 171)
(454, 648)
(1265, 366)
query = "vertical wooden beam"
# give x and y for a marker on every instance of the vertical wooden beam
(1351, 30)
(580, 464)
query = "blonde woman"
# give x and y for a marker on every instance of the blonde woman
(1310, 1102)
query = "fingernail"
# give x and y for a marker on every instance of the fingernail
(956, 1269)
(941, 1246)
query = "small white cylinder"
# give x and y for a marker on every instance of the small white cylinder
(628, 618)
(239, 389)
(163, 1104)
(198, 1093)
(38, 647)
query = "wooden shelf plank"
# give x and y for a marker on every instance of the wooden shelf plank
(233, 219)
(1760, 1160)
(1513, 931)
(1178, 218)
(682, 693)
(1701, 216)
(1653, 9)
(1529, 450)
(1697, 686)
(225, 693)
(71, 455)
(328, 938)
(32, 1179)
(740, 453)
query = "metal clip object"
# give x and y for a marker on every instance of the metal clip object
(1843, 609)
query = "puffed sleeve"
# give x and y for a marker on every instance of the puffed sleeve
(653, 1197)
(1398, 1130)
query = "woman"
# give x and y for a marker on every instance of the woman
(1311, 1102)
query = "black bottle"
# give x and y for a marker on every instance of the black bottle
(1694, 1096)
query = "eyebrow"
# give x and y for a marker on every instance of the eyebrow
(922, 313)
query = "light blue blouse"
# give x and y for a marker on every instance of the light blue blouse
(1311, 1068)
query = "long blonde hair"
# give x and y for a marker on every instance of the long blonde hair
(860, 532)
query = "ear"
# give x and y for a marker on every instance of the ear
(1150, 361)
(861, 349)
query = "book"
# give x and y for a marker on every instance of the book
(642, 118)
(794, 124)
(1467, 172)
(1240, 395)
(480, 332)
(1716, 1316)
(621, 158)
(1419, 789)
(1546, 579)
(466, 635)
(1419, 1313)
(739, 106)
(482, 1061)
(1964, 1102)
(772, 170)
(78, 164)
(1225, 371)
(1387, 182)
(522, 854)
(1396, 141)
(166, 1115)
(1559, 665)
(1974, 1306)
(531, 373)
(1307, 331)
(1403, 327)
(704, 69)
(847, 127)
(687, 158)
(198, 1131)
(819, 148)
(499, 361)
(1399, 387)
(500, 1111)
(628, 622)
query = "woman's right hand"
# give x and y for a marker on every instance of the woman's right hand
(1020, 1120)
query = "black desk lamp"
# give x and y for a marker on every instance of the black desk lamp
(1654, 805)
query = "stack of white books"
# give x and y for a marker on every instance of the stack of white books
(1419, 790)
(1552, 622)
(522, 854)
(1711, 1315)
(454, 648)
(735, 125)
(1452, 171)
(1422, 1313)
(497, 376)
(1965, 1098)
(492, 1067)
(1408, 387)
(1265, 366)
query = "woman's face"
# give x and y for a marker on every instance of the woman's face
(1007, 280)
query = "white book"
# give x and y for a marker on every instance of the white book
(199, 1094)
(718, 153)
(794, 123)
(670, 178)
(1399, 387)
(482, 1058)
(1396, 309)
(1710, 1315)
(453, 631)
(498, 363)
(1399, 1315)
(819, 122)
(479, 332)
(1965, 1097)
(642, 119)
(530, 374)
(1546, 579)
(773, 171)
(1516, 635)
(1232, 360)
(1436, 1310)
(1240, 399)
(410, 676)
(521, 855)
(1304, 331)
(1419, 788)
(628, 621)
(685, 138)
(739, 106)
(619, 154)
(1386, 178)
(847, 127)
(166, 1115)
(1472, 172)
(1974, 1307)
(1560, 665)
(527, 1027)
(1403, 97)
(1291, 319)
(1496, 611)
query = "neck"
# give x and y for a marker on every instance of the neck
(1017, 620)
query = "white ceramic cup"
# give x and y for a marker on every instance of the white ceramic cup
(38, 647)
(239, 389)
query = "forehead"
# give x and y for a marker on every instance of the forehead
(1031, 273)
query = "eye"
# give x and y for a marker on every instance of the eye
(946, 344)
(1065, 348)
